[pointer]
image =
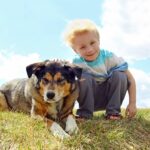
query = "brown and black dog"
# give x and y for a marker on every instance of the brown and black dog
(49, 94)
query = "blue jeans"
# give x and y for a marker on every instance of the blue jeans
(108, 95)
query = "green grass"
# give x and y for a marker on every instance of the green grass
(20, 132)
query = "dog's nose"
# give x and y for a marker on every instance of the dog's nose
(50, 95)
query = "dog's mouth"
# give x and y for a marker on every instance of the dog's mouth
(52, 100)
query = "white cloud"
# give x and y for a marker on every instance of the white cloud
(13, 65)
(126, 31)
(143, 90)
(126, 28)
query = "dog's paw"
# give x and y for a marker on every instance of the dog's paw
(71, 125)
(37, 117)
(58, 131)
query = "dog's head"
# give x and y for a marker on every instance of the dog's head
(55, 79)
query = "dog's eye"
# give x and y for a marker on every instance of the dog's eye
(61, 81)
(45, 81)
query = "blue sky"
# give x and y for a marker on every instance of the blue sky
(36, 25)
(30, 31)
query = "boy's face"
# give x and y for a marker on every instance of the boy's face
(86, 45)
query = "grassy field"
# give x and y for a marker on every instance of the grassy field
(19, 132)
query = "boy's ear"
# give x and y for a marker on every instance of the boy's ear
(74, 50)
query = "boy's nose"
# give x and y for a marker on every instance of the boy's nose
(89, 49)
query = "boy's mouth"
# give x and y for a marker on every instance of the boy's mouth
(91, 54)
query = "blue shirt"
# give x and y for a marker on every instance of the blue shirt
(103, 66)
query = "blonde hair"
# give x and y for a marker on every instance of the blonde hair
(79, 26)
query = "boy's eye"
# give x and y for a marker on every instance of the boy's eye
(82, 47)
(45, 81)
(93, 42)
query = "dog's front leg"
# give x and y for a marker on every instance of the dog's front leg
(71, 125)
(56, 129)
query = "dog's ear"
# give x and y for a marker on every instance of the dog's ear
(34, 68)
(75, 70)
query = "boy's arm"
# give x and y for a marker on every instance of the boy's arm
(131, 108)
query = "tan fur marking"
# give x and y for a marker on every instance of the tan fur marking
(41, 109)
(57, 76)
(3, 104)
(48, 76)
(42, 85)
(48, 122)
(65, 87)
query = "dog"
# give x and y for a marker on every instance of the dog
(49, 93)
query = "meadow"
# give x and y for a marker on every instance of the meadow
(20, 132)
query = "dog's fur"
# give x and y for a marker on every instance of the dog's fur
(49, 94)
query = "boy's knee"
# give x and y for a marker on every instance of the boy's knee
(86, 79)
(119, 76)
(86, 82)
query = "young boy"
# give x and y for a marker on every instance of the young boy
(106, 76)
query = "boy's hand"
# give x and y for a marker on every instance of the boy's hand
(131, 110)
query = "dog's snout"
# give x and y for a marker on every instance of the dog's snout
(50, 95)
